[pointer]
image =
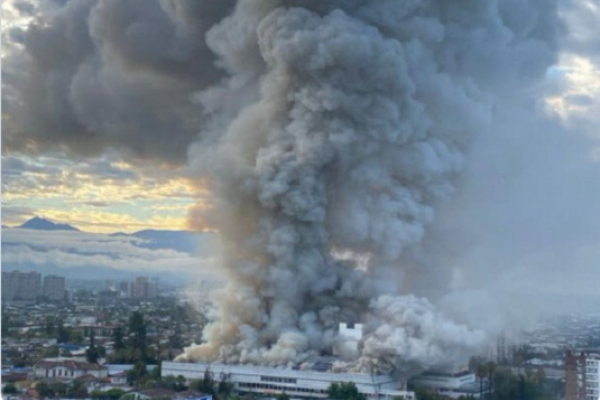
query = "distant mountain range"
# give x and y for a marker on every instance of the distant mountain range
(84, 255)
(42, 224)
(183, 241)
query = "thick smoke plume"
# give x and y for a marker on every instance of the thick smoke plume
(351, 122)
(329, 132)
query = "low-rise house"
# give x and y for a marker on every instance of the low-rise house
(92, 382)
(151, 394)
(191, 395)
(67, 370)
(14, 377)
(20, 396)
(120, 378)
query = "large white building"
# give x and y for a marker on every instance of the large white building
(64, 369)
(303, 384)
(449, 384)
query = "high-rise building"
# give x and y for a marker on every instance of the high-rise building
(141, 288)
(592, 377)
(21, 286)
(125, 289)
(54, 287)
(582, 376)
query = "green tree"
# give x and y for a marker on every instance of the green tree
(138, 374)
(204, 385)
(491, 371)
(481, 373)
(5, 325)
(137, 335)
(77, 390)
(225, 388)
(171, 382)
(175, 340)
(344, 391)
(283, 396)
(423, 394)
(46, 352)
(114, 394)
(167, 382)
(62, 333)
(518, 387)
(44, 389)
(10, 388)
(75, 336)
(50, 327)
(117, 337)
(92, 354)
(155, 373)
(59, 389)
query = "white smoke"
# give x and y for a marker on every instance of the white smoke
(340, 127)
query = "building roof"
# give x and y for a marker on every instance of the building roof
(156, 393)
(70, 346)
(311, 373)
(15, 377)
(87, 378)
(70, 365)
(190, 394)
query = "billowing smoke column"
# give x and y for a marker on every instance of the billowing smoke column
(328, 130)
(347, 122)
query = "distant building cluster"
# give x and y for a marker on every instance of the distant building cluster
(141, 288)
(29, 286)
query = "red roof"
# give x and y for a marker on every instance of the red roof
(15, 377)
(70, 365)
(87, 378)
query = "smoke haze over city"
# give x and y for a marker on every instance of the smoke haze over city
(421, 167)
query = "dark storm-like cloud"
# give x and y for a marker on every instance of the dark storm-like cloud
(97, 75)
(582, 37)
(52, 171)
(24, 7)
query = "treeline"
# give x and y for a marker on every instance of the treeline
(500, 383)
(220, 388)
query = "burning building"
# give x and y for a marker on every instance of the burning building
(351, 122)
(327, 134)
(310, 382)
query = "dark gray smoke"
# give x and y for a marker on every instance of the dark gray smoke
(329, 132)
(351, 121)
(111, 74)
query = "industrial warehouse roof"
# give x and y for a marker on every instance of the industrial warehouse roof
(311, 371)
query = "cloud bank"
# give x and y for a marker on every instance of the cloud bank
(89, 255)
